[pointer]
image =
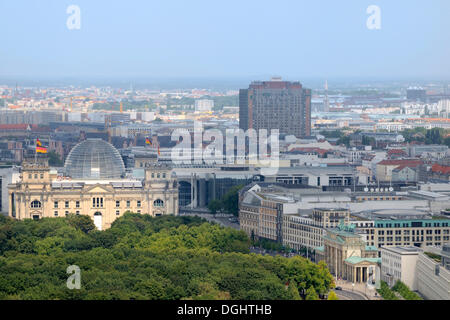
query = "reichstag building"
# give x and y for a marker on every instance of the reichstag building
(94, 184)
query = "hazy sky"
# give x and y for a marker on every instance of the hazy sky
(215, 38)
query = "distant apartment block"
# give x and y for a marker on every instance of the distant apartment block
(416, 94)
(428, 151)
(276, 104)
(398, 170)
(204, 105)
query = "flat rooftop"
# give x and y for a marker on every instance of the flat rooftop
(403, 250)
(429, 194)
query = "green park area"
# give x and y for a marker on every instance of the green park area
(144, 257)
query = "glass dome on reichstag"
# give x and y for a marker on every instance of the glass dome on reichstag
(94, 159)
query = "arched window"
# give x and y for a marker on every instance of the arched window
(158, 203)
(36, 204)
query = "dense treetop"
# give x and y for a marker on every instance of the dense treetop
(141, 257)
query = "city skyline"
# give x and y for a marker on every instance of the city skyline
(237, 151)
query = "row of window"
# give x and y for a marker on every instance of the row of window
(66, 204)
(436, 238)
(408, 232)
(379, 198)
(414, 224)
(438, 244)
(97, 203)
(158, 175)
(30, 176)
(56, 213)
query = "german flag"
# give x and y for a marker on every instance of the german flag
(159, 153)
(148, 141)
(41, 149)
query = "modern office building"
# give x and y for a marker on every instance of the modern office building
(417, 233)
(203, 105)
(278, 217)
(301, 232)
(433, 273)
(276, 104)
(8, 174)
(261, 216)
(331, 177)
(330, 218)
(399, 264)
(428, 151)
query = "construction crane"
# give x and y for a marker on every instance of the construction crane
(108, 122)
(76, 98)
(108, 126)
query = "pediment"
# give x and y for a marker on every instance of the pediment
(98, 189)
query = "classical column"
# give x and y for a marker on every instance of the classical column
(192, 191)
(202, 192)
(195, 191)
(367, 274)
(11, 205)
(214, 186)
(336, 263)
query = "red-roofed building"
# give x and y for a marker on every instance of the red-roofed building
(23, 129)
(386, 167)
(440, 172)
(396, 154)
(15, 127)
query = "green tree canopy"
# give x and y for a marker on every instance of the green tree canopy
(144, 257)
(215, 206)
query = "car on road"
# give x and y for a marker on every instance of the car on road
(338, 288)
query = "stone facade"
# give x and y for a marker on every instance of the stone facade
(347, 255)
(41, 193)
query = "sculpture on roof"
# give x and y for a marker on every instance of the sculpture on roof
(347, 228)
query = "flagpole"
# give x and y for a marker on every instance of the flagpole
(35, 153)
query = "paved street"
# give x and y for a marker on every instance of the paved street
(349, 295)
(223, 221)
(359, 290)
